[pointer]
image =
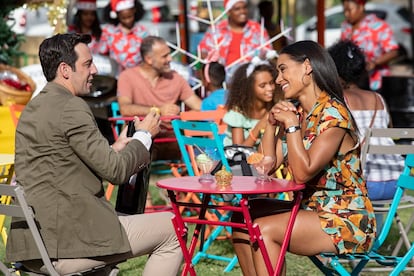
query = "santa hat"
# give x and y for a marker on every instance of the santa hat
(361, 2)
(86, 5)
(120, 5)
(228, 4)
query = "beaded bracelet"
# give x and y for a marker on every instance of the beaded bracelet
(251, 136)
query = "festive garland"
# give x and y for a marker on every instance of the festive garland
(56, 15)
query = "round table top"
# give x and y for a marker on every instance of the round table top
(6, 159)
(239, 185)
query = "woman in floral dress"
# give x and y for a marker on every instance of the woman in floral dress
(317, 141)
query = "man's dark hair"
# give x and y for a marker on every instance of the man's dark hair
(147, 44)
(60, 48)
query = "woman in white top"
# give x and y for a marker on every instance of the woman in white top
(369, 110)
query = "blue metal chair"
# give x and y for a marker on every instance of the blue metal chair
(360, 260)
(119, 124)
(207, 137)
(159, 167)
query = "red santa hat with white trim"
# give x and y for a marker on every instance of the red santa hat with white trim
(228, 4)
(86, 5)
(120, 5)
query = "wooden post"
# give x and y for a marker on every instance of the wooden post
(320, 12)
(182, 21)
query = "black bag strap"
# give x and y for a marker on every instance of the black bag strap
(217, 168)
(245, 167)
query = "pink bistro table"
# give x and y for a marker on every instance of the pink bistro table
(242, 185)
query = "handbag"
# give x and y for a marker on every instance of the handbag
(132, 195)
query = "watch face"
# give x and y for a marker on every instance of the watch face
(292, 129)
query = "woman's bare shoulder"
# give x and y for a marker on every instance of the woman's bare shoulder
(359, 99)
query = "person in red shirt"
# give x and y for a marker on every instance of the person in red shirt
(122, 39)
(86, 21)
(153, 84)
(374, 36)
(235, 37)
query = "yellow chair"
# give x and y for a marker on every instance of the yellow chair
(8, 120)
(7, 131)
(15, 111)
(6, 176)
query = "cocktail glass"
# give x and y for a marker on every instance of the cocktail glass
(263, 167)
(206, 163)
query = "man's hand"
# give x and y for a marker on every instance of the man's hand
(122, 141)
(169, 109)
(150, 123)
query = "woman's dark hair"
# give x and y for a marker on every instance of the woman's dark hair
(96, 26)
(324, 70)
(241, 95)
(217, 73)
(60, 48)
(139, 13)
(323, 67)
(350, 63)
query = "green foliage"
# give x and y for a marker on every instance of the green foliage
(9, 40)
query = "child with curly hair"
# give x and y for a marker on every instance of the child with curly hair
(251, 95)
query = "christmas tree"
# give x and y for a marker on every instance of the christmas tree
(9, 40)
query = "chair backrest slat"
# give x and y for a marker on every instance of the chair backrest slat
(396, 149)
(393, 133)
(401, 133)
(211, 115)
(11, 210)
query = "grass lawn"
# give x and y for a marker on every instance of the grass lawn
(296, 265)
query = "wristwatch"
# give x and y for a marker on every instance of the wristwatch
(292, 129)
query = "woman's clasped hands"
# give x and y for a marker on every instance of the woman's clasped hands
(284, 113)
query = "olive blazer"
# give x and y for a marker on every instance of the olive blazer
(61, 159)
